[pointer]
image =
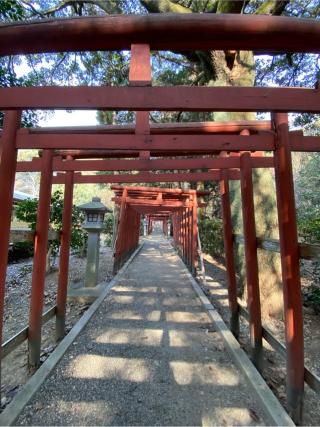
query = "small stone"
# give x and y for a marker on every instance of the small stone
(38, 406)
(253, 415)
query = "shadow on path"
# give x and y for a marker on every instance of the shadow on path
(149, 356)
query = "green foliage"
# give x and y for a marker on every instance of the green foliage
(27, 211)
(308, 210)
(309, 228)
(11, 10)
(108, 228)
(308, 200)
(211, 236)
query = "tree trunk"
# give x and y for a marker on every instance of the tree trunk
(237, 68)
(242, 73)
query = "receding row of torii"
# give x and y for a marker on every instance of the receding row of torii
(179, 152)
(232, 156)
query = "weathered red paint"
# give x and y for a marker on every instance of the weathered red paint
(188, 128)
(251, 260)
(143, 164)
(140, 75)
(196, 31)
(161, 98)
(8, 162)
(194, 233)
(141, 142)
(213, 175)
(140, 66)
(64, 256)
(289, 252)
(229, 255)
(39, 261)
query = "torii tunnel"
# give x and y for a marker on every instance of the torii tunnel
(158, 204)
(222, 151)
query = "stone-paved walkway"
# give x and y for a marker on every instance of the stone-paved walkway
(149, 356)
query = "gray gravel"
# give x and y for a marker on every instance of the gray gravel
(149, 356)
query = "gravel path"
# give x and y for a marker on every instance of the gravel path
(149, 356)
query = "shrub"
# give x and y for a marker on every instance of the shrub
(27, 211)
(108, 228)
(21, 250)
(211, 236)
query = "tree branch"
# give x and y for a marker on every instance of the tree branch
(164, 6)
(272, 7)
(176, 61)
(109, 6)
(227, 6)
(53, 10)
(33, 9)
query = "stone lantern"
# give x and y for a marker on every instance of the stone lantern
(94, 217)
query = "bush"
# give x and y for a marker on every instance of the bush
(309, 232)
(26, 211)
(21, 250)
(211, 236)
(309, 229)
(108, 228)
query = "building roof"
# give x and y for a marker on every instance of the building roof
(19, 196)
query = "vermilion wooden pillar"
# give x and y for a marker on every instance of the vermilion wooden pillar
(123, 230)
(39, 260)
(140, 75)
(289, 251)
(183, 234)
(174, 229)
(118, 251)
(64, 256)
(194, 232)
(185, 210)
(8, 164)
(178, 222)
(187, 236)
(252, 274)
(229, 255)
(190, 238)
(181, 231)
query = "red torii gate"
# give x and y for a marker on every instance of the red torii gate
(147, 142)
(164, 218)
(157, 204)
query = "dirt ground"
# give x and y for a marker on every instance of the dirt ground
(274, 365)
(18, 288)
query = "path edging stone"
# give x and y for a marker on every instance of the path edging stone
(272, 408)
